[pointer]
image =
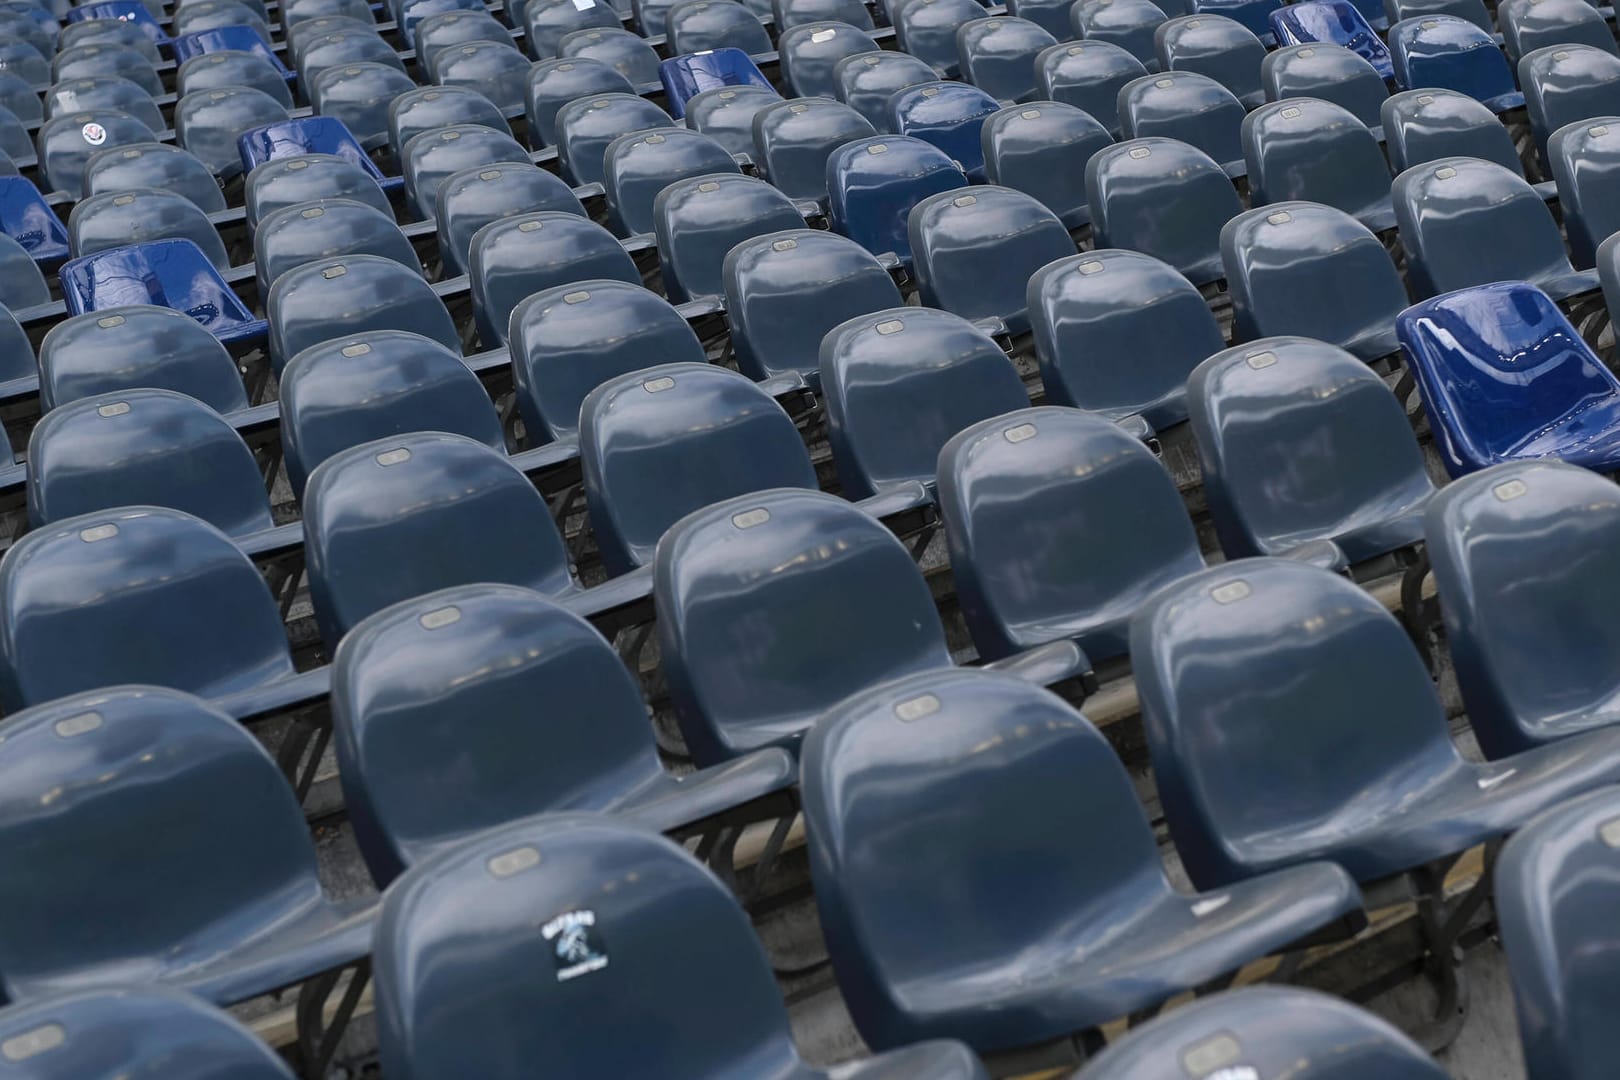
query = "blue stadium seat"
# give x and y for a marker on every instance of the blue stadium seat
(1449, 53)
(1088, 76)
(726, 114)
(66, 142)
(657, 444)
(373, 385)
(494, 69)
(1090, 928)
(431, 158)
(998, 56)
(547, 22)
(1566, 83)
(153, 165)
(785, 291)
(975, 251)
(333, 298)
(84, 61)
(898, 384)
(427, 107)
(586, 125)
(290, 181)
(1127, 24)
(701, 25)
(307, 135)
(556, 83)
(1038, 148)
(1426, 125)
(811, 50)
(591, 751)
(132, 1033)
(1467, 351)
(1466, 222)
(346, 45)
(518, 256)
(1328, 73)
(567, 340)
(107, 221)
(144, 447)
(1584, 161)
(949, 115)
(404, 516)
(325, 229)
(865, 82)
(685, 77)
(1032, 503)
(1306, 454)
(1470, 10)
(1527, 26)
(1162, 198)
(470, 199)
(698, 220)
(208, 124)
(104, 92)
(793, 139)
(1117, 333)
(234, 907)
(122, 348)
(216, 70)
(209, 625)
(1310, 150)
(360, 95)
(621, 50)
(636, 167)
(173, 273)
(21, 282)
(1299, 268)
(1337, 22)
(1187, 107)
(1213, 45)
(1277, 1029)
(29, 220)
(662, 948)
(233, 37)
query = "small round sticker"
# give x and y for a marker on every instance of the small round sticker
(94, 133)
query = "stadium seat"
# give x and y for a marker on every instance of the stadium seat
(233, 905)
(494, 69)
(1450, 53)
(130, 1033)
(18, 26)
(974, 251)
(809, 52)
(1466, 222)
(334, 298)
(685, 77)
(701, 25)
(1583, 158)
(373, 385)
(470, 199)
(173, 273)
(18, 96)
(1050, 15)
(208, 123)
(518, 256)
(998, 56)
(636, 167)
(326, 229)
(427, 107)
(19, 58)
(122, 348)
(307, 135)
(1327, 73)
(556, 83)
(1309, 150)
(1086, 928)
(698, 220)
(949, 115)
(585, 126)
(1528, 25)
(629, 984)
(106, 221)
(1162, 198)
(15, 141)
(343, 46)
(1038, 149)
(432, 157)
(547, 22)
(790, 13)
(726, 114)
(1117, 333)
(1129, 25)
(1305, 454)
(1223, 651)
(1470, 10)
(29, 220)
(898, 384)
(216, 70)
(104, 92)
(1337, 22)
(457, 26)
(360, 95)
(66, 142)
(793, 139)
(153, 165)
(865, 82)
(623, 51)
(16, 352)
(1189, 108)
(1216, 46)
(85, 61)
(107, 32)
(1299, 268)
(1300, 1033)
(1017, 490)
(1425, 125)
(200, 15)
(1566, 83)
(286, 182)
(295, 13)
(144, 447)
(22, 284)
(1088, 76)
(927, 30)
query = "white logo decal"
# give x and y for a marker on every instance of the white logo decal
(94, 134)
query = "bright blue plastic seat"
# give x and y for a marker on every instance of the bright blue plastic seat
(307, 135)
(122, 348)
(873, 183)
(1329, 73)
(640, 949)
(1088, 76)
(865, 82)
(785, 291)
(1450, 53)
(699, 220)
(479, 196)
(493, 68)
(66, 142)
(1337, 22)
(1305, 453)
(685, 77)
(333, 298)
(103, 92)
(811, 50)
(555, 83)
(1117, 333)
(998, 56)
(793, 139)
(1038, 148)
(696, 26)
(1127, 24)
(1214, 45)
(1566, 83)
(636, 167)
(1527, 27)
(898, 384)
(927, 29)
(1309, 150)
(427, 107)
(106, 221)
(21, 282)
(173, 273)
(28, 219)
(361, 95)
(432, 157)
(208, 124)
(1162, 198)
(586, 125)
(1426, 125)
(1189, 108)
(726, 114)
(286, 182)
(326, 229)
(518, 256)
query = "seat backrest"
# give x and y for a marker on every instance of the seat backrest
(344, 45)
(998, 55)
(479, 196)
(1585, 159)
(28, 219)
(547, 22)
(585, 126)
(1162, 198)
(454, 23)
(726, 114)
(1469, 351)
(625, 52)
(1118, 332)
(22, 284)
(1213, 45)
(1327, 72)
(1300, 441)
(351, 390)
(1033, 504)
(1528, 26)
(16, 351)
(403, 516)
(1312, 150)
(1128, 24)
(290, 181)
(811, 50)
(774, 606)
(1337, 22)
(1470, 10)
(948, 115)
(927, 29)
(84, 61)
(1038, 148)
(791, 13)
(698, 25)
(431, 158)
(71, 591)
(22, 59)
(104, 92)
(555, 83)
(123, 348)
(1186, 106)
(66, 142)
(154, 165)
(638, 937)
(1237, 696)
(1301, 268)
(1566, 83)
(1466, 222)
(360, 96)
(514, 257)
(567, 340)
(791, 141)
(493, 68)
(864, 82)
(111, 220)
(144, 448)
(82, 776)
(659, 443)
(1454, 54)
(872, 184)
(104, 31)
(333, 298)
(976, 250)
(209, 122)
(899, 383)
(303, 135)
(698, 220)
(637, 166)
(172, 273)
(685, 77)
(428, 107)
(326, 229)
(231, 68)
(1426, 125)
(785, 291)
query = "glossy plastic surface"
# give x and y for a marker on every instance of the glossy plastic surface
(1214, 45)
(1127, 24)
(107, 221)
(360, 95)
(328, 299)
(792, 141)
(459, 25)
(636, 167)
(685, 77)
(585, 127)
(866, 81)
(699, 220)
(290, 181)
(811, 50)
(1162, 198)
(1566, 83)
(726, 114)
(873, 184)
(21, 282)
(1337, 22)
(494, 69)
(121, 348)
(554, 83)
(326, 229)
(432, 157)
(1451, 53)
(173, 273)
(154, 165)
(998, 56)
(208, 124)
(549, 21)
(927, 29)
(1187, 107)
(428, 107)
(517, 256)
(1426, 125)
(306, 135)
(104, 92)
(621, 50)
(84, 61)
(1311, 150)
(64, 146)
(1328, 73)
(345, 45)
(482, 195)
(216, 70)
(697, 26)
(28, 219)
